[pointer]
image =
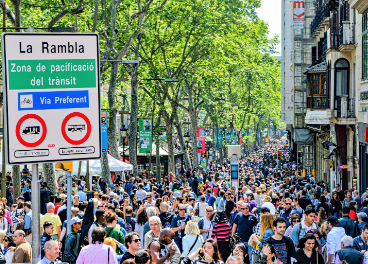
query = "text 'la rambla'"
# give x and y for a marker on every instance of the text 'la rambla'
(51, 48)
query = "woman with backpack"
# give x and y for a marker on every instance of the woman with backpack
(192, 239)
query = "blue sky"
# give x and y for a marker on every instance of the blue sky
(270, 12)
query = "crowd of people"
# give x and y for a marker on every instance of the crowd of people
(270, 215)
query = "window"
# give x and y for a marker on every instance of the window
(365, 46)
(342, 68)
(318, 82)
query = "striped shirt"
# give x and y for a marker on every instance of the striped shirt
(222, 232)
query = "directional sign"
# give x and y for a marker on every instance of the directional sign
(52, 97)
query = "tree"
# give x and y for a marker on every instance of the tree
(50, 177)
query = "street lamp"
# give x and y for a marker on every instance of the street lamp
(123, 132)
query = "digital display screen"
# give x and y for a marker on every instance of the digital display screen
(234, 168)
(234, 175)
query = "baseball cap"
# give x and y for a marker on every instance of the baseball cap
(333, 220)
(75, 220)
(20, 198)
(112, 194)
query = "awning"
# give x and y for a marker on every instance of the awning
(303, 136)
(318, 117)
(321, 67)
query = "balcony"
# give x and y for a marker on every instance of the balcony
(346, 29)
(320, 20)
(346, 37)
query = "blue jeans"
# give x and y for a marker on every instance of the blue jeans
(249, 251)
(336, 214)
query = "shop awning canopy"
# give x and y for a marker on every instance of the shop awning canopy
(114, 164)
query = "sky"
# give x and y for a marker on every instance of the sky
(270, 12)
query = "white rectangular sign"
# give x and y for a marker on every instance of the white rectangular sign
(52, 97)
(299, 14)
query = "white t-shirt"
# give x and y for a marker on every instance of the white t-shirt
(202, 209)
(207, 225)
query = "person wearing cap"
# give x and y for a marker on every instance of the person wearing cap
(71, 243)
(333, 238)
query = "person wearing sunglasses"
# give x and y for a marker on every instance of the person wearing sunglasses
(178, 225)
(8, 242)
(294, 219)
(132, 243)
(286, 211)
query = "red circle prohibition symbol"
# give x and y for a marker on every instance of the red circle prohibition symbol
(19, 137)
(63, 128)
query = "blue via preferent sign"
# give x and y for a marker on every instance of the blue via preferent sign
(53, 100)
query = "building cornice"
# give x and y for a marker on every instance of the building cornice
(359, 5)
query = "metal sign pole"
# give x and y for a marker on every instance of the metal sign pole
(36, 232)
(68, 202)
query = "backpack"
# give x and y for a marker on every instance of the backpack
(128, 226)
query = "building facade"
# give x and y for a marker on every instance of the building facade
(335, 122)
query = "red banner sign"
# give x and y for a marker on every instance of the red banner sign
(201, 139)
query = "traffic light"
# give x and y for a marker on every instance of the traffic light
(279, 154)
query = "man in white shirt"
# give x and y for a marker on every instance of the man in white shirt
(141, 193)
(205, 225)
(149, 202)
(334, 237)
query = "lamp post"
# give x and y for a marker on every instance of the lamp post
(123, 132)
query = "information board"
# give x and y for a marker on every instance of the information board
(52, 97)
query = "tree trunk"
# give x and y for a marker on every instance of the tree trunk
(132, 135)
(182, 142)
(79, 169)
(16, 181)
(170, 143)
(17, 13)
(193, 120)
(88, 183)
(50, 177)
(113, 146)
(106, 175)
(158, 159)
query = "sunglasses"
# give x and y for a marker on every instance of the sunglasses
(6, 240)
(136, 240)
(245, 208)
(297, 221)
(288, 203)
(182, 209)
(209, 211)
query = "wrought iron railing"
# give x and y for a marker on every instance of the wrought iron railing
(321, 14)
